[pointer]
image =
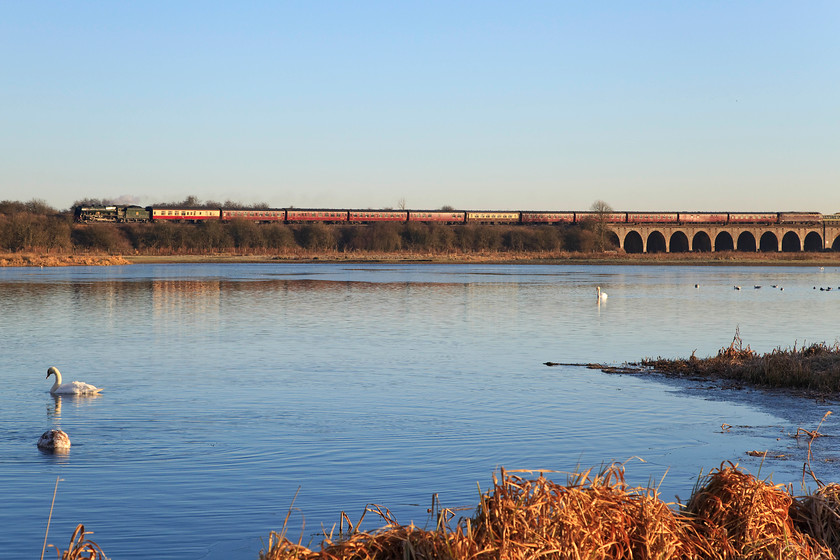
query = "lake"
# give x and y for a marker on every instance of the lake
(236, 392)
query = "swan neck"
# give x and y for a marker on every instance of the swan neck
(57, 383)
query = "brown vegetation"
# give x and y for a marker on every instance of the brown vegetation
(731, 515)
(80, 547)
(813, 368)
(598, 517)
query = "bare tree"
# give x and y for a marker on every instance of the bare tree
(401, 203)
(601, 228)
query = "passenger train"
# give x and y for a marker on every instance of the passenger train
(123, 214)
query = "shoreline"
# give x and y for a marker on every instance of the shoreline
(609, 258)
(507, 258)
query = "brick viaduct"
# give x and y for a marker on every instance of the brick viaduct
(675, 238)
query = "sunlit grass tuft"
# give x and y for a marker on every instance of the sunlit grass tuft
(815, 367)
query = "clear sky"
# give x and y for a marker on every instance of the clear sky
(670, 105)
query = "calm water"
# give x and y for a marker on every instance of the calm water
(230, 388)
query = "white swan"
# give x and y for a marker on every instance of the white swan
(54, 440)
(72, 388)
(602, 296)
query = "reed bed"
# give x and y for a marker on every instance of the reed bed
(730, 516)
(815, 367)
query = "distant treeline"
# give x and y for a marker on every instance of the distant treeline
(34, 226)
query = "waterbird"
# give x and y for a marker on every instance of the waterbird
(737, 287)
(602, 296)
(54, 440)
(696, 285)
(757, 287)
(72, 388)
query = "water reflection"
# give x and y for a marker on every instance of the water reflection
(77, 401)
(54, 410)
(61, 452)
(237, 379)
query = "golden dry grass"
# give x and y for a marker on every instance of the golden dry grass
(593, 517)
(732, 516)
(48, 259)
(814, 368)
(819, 515)
(746, 518)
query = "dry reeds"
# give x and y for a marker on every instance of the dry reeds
(81, 548)
(593, 517)
(814, 368)
(819, 515)
(730, 516)
(733, 516)
(746, 518)
(392, 542)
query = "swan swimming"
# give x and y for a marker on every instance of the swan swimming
(602, 296)
(54, 440)
(72, 388)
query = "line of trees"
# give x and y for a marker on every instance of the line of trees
(36, 227)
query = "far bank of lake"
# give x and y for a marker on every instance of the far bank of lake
(727, 258)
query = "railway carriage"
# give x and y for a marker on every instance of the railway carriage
(494, 217)
(799, 217)
(366, 216)
(185, 214)
(325, 216)
(703, 217)
(753, 217)
(611, 217)
(438, 216)
(652, 217)
(548, 217)
(254, 215)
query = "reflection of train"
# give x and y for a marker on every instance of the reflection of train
(310, 215)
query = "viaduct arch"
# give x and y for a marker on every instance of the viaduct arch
(681, 238)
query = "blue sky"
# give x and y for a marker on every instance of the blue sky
(683, 105)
